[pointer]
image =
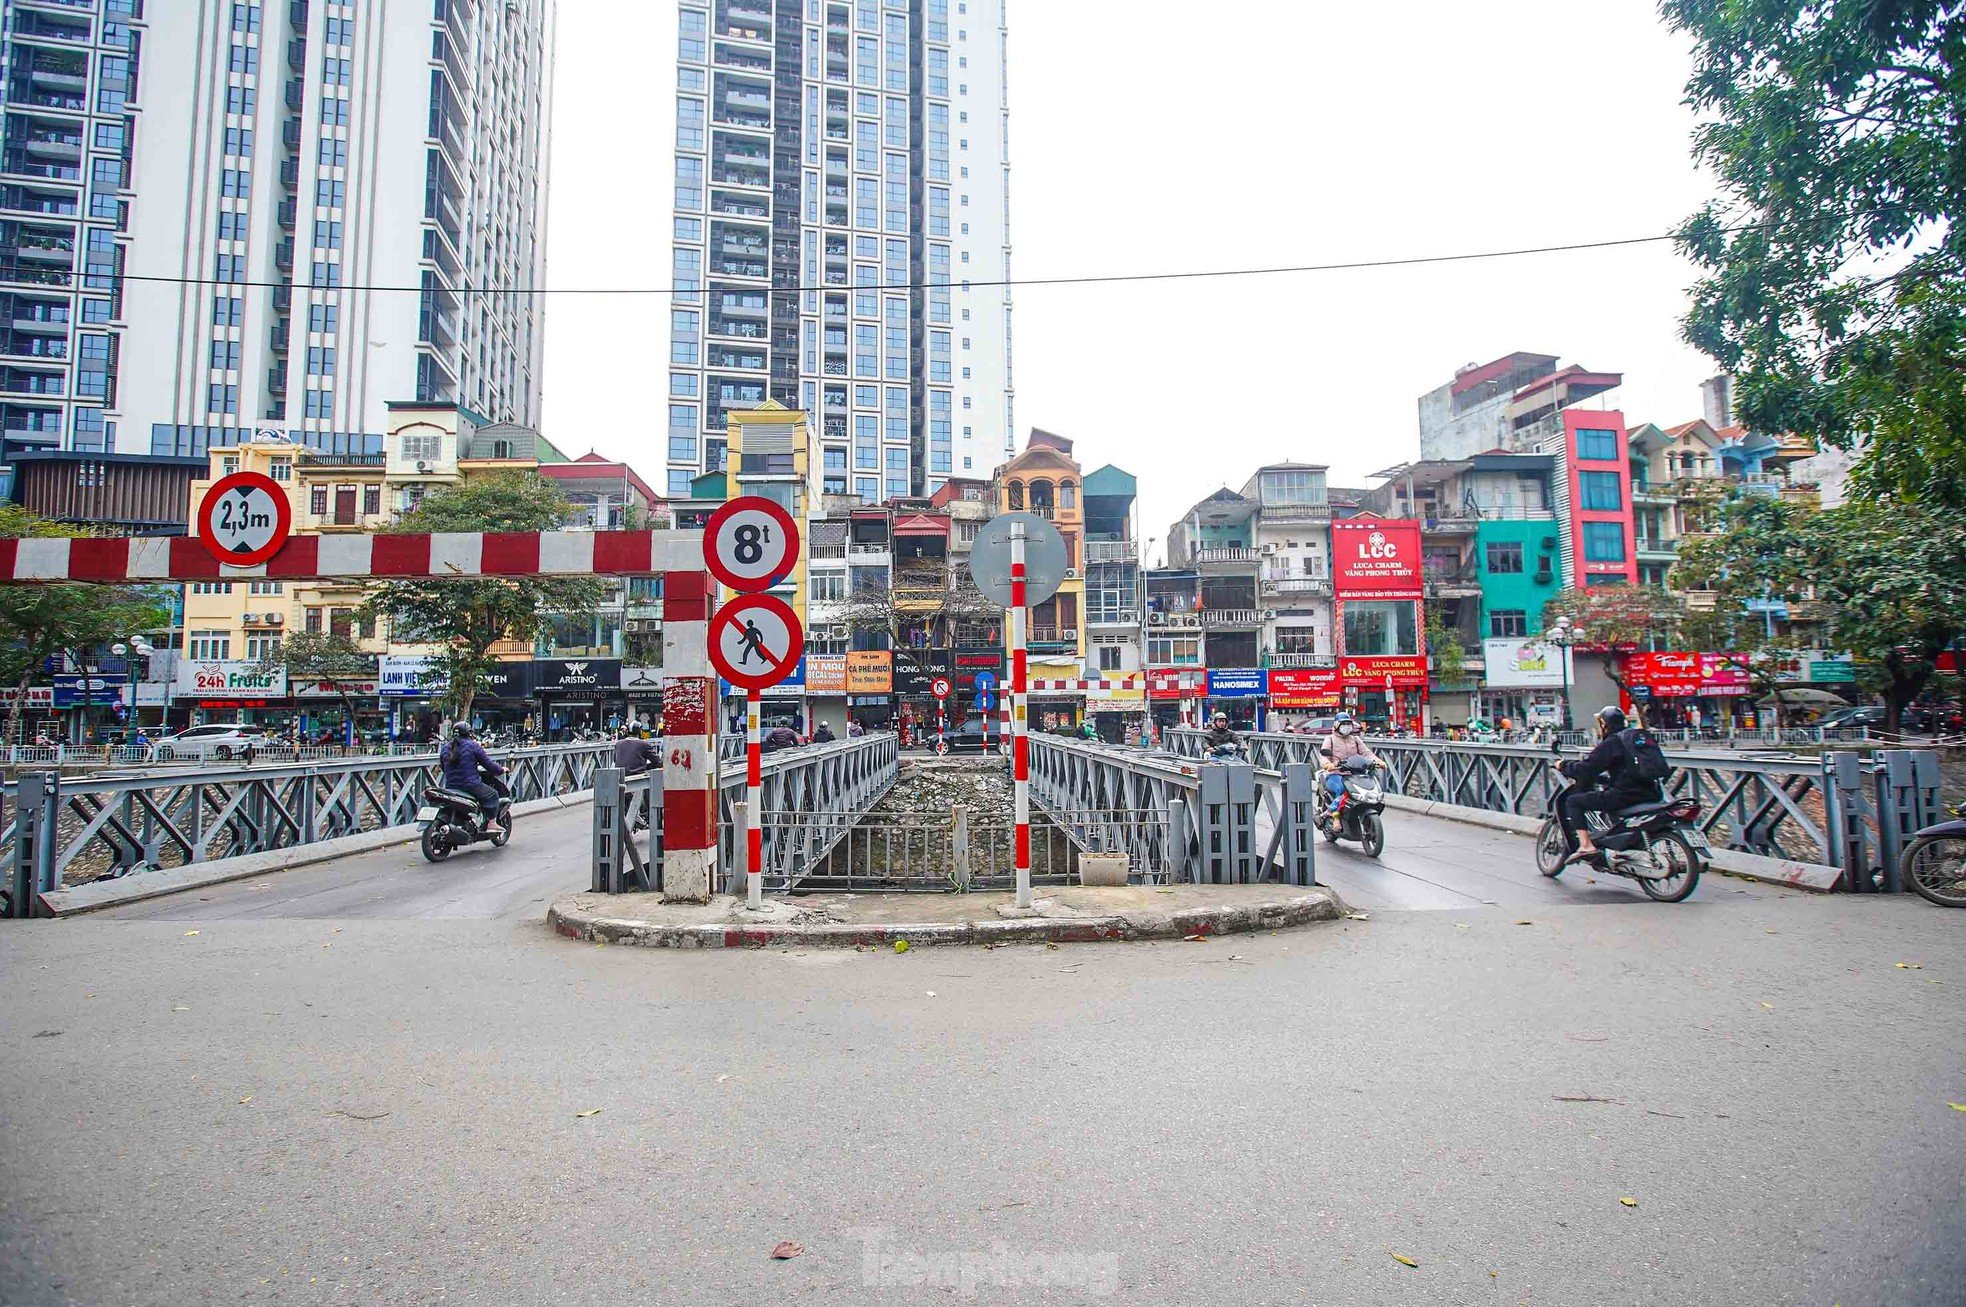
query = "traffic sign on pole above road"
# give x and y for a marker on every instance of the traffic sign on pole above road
(939, 687)
(1045, 559)
(756, 641)
(245, 518)
(750, 544)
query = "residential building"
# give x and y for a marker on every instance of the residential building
(71, 72)
(830, 159)
(290, 150)
(1115, 612)
(1214, 543)
(1291, 532)
(1046, 480)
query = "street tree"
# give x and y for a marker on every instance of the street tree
(1444, 645)
(41, 622)
(463, 618)
(1832, 279)
(331, 658)
(1888, 579)
(1754, 556)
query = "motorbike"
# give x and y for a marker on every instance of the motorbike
(1237, 752)
(1659, 845)
(1934, 863)
(451, 819)
(1357, 815)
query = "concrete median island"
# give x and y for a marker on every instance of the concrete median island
(1074, 914)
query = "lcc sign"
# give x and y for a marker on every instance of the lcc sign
(1375, 557)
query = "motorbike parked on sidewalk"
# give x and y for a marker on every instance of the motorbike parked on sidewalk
(1660, 845)
(1359, 813)
(1934, 863)
(451, 819)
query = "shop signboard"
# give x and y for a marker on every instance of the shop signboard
(915, 671)
(408, 676)
(510, 680)
(358, 687)
(1667, 675)
(1521, 664)
(1175, 682)
(1405, 673)
(1375, 557)
(972, 663)
(641, 682)
(40, 698)
(1237, 683)
(1831, 669)
(826, 673)
(576, 676)
(90, 691)
(1304, 687)
(1722, 675)
(221, 680)
(869, 671)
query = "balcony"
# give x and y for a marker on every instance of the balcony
(1657, 547)
(1302, 660)
(1294, 584)
(1226, 618)
(1055, 638)
(1222, 555)
(1457, 581)
(1296, 513)
(1111, 551)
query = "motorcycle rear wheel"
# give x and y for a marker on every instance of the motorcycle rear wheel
(1671, 851)
(436, 843)
(1550, 849)
(1935, 869)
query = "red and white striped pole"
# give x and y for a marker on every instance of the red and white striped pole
(1020, 759)
(689, 740)
(754, 826)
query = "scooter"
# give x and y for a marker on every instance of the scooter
(1358, 813)
(1659, 845)
(1934, 863)
(452, 819)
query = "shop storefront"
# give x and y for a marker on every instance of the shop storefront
(1055, 712)
(826, 699)
(641, 690)
(1118, 712)
(870, 688)
(1174, 696)
(344, 711)
(1299, 695)
(1380, 621)
(577, 694)
(411, 689)
(977, 683)
(1685, 690)
(1522, 683)
(915, 673)
(1239, 694)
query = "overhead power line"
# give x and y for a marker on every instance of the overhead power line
(1085, 280)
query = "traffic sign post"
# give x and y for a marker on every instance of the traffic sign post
(1020, 760)
(755, 642)
(939, 687)
(244, 519)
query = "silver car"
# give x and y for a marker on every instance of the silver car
(220, 741)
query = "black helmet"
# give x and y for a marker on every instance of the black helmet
(1612, 717)
(462, 731)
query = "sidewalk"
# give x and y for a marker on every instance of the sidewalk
(1058, 915)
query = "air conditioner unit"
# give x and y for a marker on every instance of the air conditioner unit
(1071, 574)
(1269, 614)
(276, 619)
(422, 466)
(250, 619)
(1157, 619)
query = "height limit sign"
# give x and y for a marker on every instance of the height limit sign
(245, 518)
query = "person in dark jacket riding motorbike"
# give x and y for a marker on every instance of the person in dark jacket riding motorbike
(1615, 762)
(633, 752)
(1221, 736)
(466, 765)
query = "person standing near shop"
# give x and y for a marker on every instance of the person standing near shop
(1693, 717)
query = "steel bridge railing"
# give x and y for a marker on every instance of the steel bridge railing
(60, 830)
(1844, 810)
(810, 798)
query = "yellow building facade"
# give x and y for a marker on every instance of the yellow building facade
(1046, 480)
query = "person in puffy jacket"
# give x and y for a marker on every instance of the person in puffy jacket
(1345, 741)
(466, 767)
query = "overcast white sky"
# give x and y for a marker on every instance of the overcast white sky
(1148, 137)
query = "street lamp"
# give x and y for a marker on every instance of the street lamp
(1563, 635)
(138, 647)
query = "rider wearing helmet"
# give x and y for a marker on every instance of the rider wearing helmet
(1345, 741)
(1220, 736)
(466, 764)
(1615, 762)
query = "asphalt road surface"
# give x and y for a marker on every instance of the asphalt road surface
(383, 1082)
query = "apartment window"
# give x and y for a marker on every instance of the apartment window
(240, 100)
(329, 194)
(1174, 650)
(211, 587)
(421, 449)
(334, 111)
(1597, 445)
(1504, 557)
(317, 501)
(209, 646)
(222, 398)
(339, 31)
(327, 234)
(827, 587)
(323, 318)
(320, 360)
(319, 403)
(243, 59)
(245, 18)
(1604, 542)
(1508, 624)
(231, 226)
(281, 469)
(682, 449)
(259, 648)
(225, 354)
(228, 311)
(334, 72)
(235, 184)
(333, 152)
(1599, 491)
(266, 587)
(239, 142)
(371, 500)
(312, 621)
(326, 276)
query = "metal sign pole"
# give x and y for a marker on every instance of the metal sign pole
(754, 826)
(1020, 764)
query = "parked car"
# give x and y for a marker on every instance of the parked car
(1849, 719)
(220, 741)
(968, 736)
